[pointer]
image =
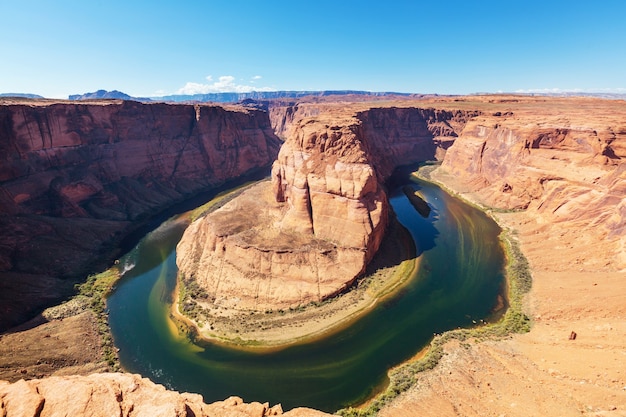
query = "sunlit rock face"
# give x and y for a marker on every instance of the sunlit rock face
(119, 160)
(301, 238)
(563, 166)
(311, 232)
(124, 395)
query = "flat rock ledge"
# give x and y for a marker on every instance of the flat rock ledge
(124, 395)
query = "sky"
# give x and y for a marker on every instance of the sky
(153, 48)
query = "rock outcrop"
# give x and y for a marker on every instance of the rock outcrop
(401, 136)
(563, 166)
(76, 178)
(325, 217)
(122, 395)
(304, 239)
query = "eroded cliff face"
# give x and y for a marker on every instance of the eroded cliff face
(124, 395)
(300, 239)
(563, 169)
(76, 160)
(76, 178)
(315, 231)
(401, 136)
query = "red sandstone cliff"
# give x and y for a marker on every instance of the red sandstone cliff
(325, 217)
(567, 167)
(75, 178)
(302, 240)
(563, 167)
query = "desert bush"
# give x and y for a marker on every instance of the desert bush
(95, 289)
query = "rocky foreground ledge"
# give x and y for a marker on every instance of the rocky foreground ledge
(123, 395)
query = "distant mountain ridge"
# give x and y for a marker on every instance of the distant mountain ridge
(265, 95)
(101, 94)
(232, 97)
(229, 97)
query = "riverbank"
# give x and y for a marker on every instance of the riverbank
(569, 364)
(394, 265)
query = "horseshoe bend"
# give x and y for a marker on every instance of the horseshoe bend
(77, 180)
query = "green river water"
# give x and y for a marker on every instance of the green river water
(456, 285)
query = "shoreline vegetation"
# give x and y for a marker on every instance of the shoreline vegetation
(518, 282)
(274, 330)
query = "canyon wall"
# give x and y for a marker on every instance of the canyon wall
(76, 178)
(400, 136)
(557, 163)
(563, 168)
(315, 231)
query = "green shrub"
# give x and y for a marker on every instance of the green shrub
(96, 288)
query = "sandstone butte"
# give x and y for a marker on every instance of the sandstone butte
(314, 232)
(549, 169)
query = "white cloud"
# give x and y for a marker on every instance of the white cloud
(572, 90)
(224, 84)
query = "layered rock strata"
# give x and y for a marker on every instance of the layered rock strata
(76, 178)
(122, 395)
(565, 169)
(300, 240)
(314, 233)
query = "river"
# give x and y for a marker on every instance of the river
(456, 285)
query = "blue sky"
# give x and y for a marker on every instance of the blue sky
(61, 47)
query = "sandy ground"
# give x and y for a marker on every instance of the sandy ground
(64, 346)
(542, 373)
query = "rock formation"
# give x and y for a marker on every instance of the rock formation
(302, 241)
(76, 178)
(565, 167)
(324, 219)
(122, 395)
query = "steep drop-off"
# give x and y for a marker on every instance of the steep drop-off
(326, 214)
(565, 168)
(553, 170)
(76, 178)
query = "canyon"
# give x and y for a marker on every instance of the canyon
(76, 179)
(549, 169)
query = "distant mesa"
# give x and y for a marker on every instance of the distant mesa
(102, 94)
(21, 95)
